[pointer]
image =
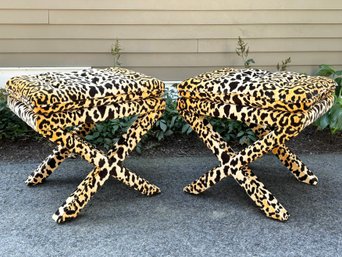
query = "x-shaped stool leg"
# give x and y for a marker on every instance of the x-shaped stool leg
(106, 164)
(288, 159)
(58, 155)
(236, 164)
(243, 175)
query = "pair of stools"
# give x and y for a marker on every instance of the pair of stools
(64, 107)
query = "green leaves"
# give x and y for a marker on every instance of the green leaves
(186, 129)
(325, 70)
(116, 52)
(333, 118)
(323, 122)
(106, 133)
(283, 65)
(162, 125)
(232, 130)
(242, 50)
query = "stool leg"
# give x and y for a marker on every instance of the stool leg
(215, 143)
(244, 176)
(254, 188)
(51, 163)
(104, 166)
(126, 144)
(289, 159)
(295, 165)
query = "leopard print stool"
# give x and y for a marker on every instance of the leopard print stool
(277, 106)
(64, 107)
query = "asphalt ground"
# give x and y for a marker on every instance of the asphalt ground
(223, 221)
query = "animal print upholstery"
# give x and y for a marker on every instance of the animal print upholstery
(52, 103)
(277, 106)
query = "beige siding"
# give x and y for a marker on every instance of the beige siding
(171, 5)
(170, 39)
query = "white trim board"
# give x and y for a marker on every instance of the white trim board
(7, 73)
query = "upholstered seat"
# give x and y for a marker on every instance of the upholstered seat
(53, 91)
(288, 91)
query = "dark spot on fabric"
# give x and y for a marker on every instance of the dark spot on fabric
(102, 110)
(88, 119)
(225, 157)
(263, 116)
(226, 110)
(237, 100)
(121, 141)
(238, 108)
(92, 91)
(233, 85)
(101, 89)
(103, 173)
(268, 93)
(52, 163)
(234, 162)
(94, 80)
(101, 163)
(120, 152)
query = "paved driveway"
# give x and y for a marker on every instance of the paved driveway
(222, 222)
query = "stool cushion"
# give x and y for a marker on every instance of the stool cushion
(286, 91)
(54, 91)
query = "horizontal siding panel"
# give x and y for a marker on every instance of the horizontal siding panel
(171, 5)
(169, 60)
(170, 39)
(169, 31)
(24, 17)
(221, 59)
(96, 46)
(168, 46)
(272, 45)
(195, 17)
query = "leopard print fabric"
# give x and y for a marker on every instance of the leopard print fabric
(58, 92)
(277, 106)
(285, 91)
(52, 103)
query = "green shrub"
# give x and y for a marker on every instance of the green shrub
(170, 123)
(106, 133)
(333, 118)
(232, 130)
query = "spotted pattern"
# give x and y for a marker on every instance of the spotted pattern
(277, 106)
(64, 107)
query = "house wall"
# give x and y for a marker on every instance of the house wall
(170, 39)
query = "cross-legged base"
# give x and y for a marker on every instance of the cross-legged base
(236, 164)
(111, 166)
